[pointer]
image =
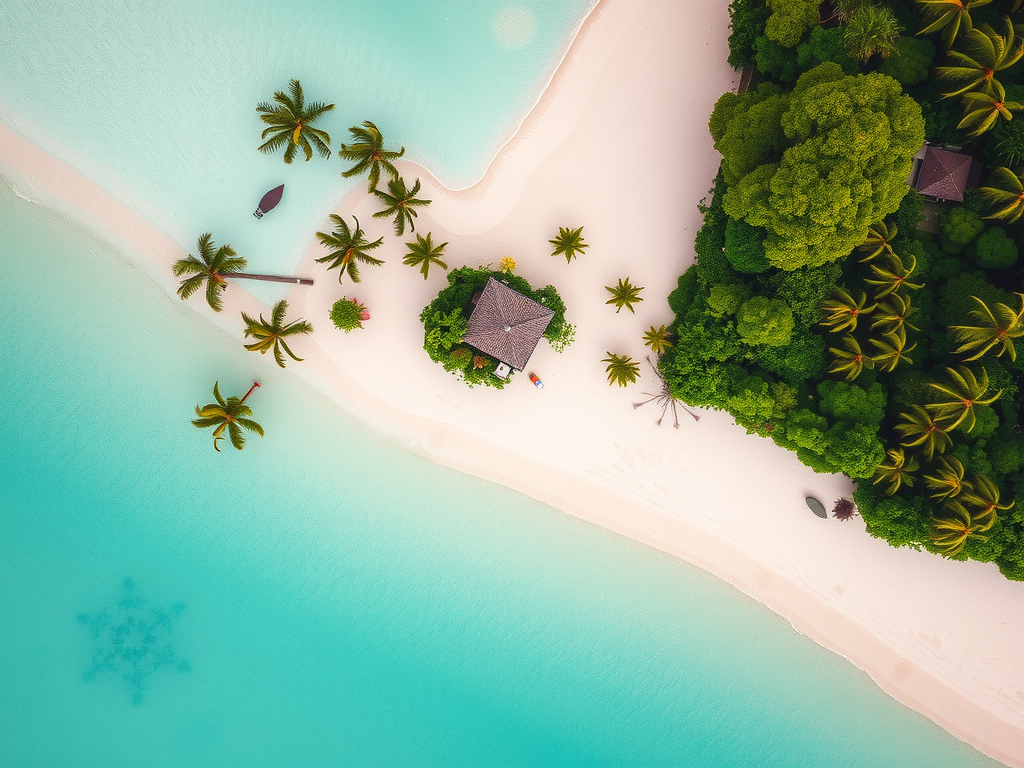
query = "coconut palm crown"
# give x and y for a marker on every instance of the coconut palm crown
(949, 17)
(624, 294)
(982, 53)
(961, 394)
(290, 121)
(997, 326)
(348, 248)
(368, 153)
(400, 203)
(569, 243)
(621, 369)
(231, 415)
(1005, 195)
(272, 334)
(210, 267)
(422, 253)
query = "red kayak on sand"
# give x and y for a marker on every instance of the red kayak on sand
(269, 201)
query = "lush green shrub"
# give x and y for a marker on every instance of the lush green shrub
(748, 18)
(840, 400)
(901, 521)
(726, 299)
(765, 321)
(347, 314)
(775, 60)
(805, 289)
(854, 449)
(825, 45)
(802, 359)
(743, 247)
(908, 215)
(959, 226)
(790, 19)
(911, 62)
(994, 250)
(1008, 144)
(686, 290)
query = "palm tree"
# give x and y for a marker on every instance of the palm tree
(896, 470)
(919, 429)
(982, 498)
(842, 311)
(984, 52)
(621, 369)
(348, 248)
(982, 110)
(999, 325)
(657, 339)
(423, 253)
(892, 350)
(949, 16)
(893, 312)
(401, 203)
(369, 154)
(211, 267)
(871, 29)
(963, 392)
(892, 276)
(625, 294)
(951, 530)
(849, 360)
(231, 415)
(569, 242)
(1006, 193)
(272, 335)
(290, 124)
(879, 240)
(948, 479)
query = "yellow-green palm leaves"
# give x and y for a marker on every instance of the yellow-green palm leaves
(919, 430)
(954, 526)
(400, 203)
(348, 248)
(842, 311)
(568, 242)
(891, 275)
(997, 326)
(897, 470)
(230, 415)
(1004, 194)
(878, 241)
(892, 314)
(621, 369)
(849, 359)
(982, 110)
(624, 294)
(982, 499)
(982, 52)
(271, 335)
(891, 350)
(963, 391)
(422, 253)
(948, 16)
(211, 267)
(291, 122)
(947, 478)
(657, 339)
(368, 154)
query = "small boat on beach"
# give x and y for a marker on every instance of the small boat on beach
(269, 201)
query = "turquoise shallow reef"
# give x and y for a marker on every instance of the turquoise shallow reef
(293, 605)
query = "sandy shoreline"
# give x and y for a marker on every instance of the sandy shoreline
(730, 503)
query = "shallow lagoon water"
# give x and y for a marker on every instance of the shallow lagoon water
(293, 605)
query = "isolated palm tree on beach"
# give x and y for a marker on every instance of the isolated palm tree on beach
(658, 340)
(369, 155)
(982, 52)
(291, 122)
(842, 311)
(400, 203)
(920, 430)
(997, 326)
(1005, 193)
(962, 393)
(897, 470)
(272, 334)
(948, 16)
(231, 415)
(211, 267)
(422, 253)
(624, 294)
(569, 243)
(348, 248)
(621, 369)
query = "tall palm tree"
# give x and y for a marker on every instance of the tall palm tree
(954, 526)
(870, 30)
(983, 53)
(621, 369)
(948, 16)
(878, 241)
(948, 478)
(999, 325)
(657, 339)
(919, 429)
(982, 110)
(982, 499)
(842, 311)
(624, 294)
(897, 470)
(231, 414)
(401, 203)
(423, 253)
(893, 312)
(849, 360)
(569, 243)
(892, 350)
(348, 248)
(369, 155)
(892, 275)
(272, 334)
(291, 124)
(211, 267)
(1005, 193)
(963, 392)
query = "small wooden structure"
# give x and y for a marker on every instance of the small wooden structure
(944, 174)
(506, 325)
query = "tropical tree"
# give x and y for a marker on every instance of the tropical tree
(231, 415)
(290, 122)
(1005, 194)
(892, 275)
(657, 339)
(954, 526)
(983, 53)
(982, 110)
(893, 312)
(982, 499)
(948, 16)
(401, 203)
(348, 248)
(212, 266)
(897, 470)
(423, 253)
(624, 294)
(272, 334)
(621, 369)
(947, 479)
(842, 311)
(892, 350)
(870, 30)
(369, 155)
(997, 326)
(962, 393)
(920, 430)
(878, 241)
(569, 243)
(849, 359)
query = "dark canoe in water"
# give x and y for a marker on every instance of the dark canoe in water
(269, 201)
(816, 507)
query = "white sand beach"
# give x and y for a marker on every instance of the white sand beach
(944, 638)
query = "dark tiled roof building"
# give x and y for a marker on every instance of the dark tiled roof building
(506, 325)
(945, 175)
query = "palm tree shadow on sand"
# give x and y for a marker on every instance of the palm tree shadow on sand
(664, 398)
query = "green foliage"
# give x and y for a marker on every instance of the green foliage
(901, 521)
(911, 62)
(825, 45)
(775, 61)
(790, 19)
(854, 449)
(422, 253)
(1006, 453)
(569, 243)
(291, 124)
(686, 289)
(802, 359)
(748, 18)
(368, 155)
(621, 369)
(726, 299)
(624, 294)
(959, 226)
(346, 314)
(400, 203)
(765, 321)
(210, 267)
(273, 334)
(1009, 142)
(908, 215)
(851, 402)
(994, 250)
(805, 289)
(744, 248)
(562, 338)
(871, 30)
